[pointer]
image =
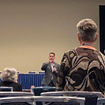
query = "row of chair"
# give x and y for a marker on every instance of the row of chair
(52, 98)
(41, 95)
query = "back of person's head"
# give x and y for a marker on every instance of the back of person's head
(9, 74)
(87, 29)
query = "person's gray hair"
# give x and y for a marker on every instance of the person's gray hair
(87, 29)
(9, 74)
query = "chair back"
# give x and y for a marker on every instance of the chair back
(2, 88)
(12, 95)
(38, 90)
(18, 100)
(72, 93)
(101, 101)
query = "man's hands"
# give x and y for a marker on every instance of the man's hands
(54, 69)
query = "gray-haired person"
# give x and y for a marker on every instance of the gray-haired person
(9, 79)
(83, 68)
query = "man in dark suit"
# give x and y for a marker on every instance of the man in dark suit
(51, 70)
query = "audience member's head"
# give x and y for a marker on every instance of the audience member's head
(87, 29)
(9, 74)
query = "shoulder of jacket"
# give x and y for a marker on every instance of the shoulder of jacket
(70, 54)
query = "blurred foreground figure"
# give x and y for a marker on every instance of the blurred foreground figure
(83, 68)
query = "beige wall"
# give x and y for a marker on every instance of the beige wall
(30, 29)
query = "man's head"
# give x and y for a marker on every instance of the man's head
(87, 29)
(51, 57)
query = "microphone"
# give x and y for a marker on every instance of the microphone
(53, 66)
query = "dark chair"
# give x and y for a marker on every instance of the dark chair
(18, 100)
(13, 94)
(90, 97)
(6, 88)
(38, 90)
(8, 94)
(101, 101)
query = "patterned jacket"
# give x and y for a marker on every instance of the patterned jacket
(82, 69)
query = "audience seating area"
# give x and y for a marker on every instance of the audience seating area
(46, 95)
(88, 98)
(51, 98)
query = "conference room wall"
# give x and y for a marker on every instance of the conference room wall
(30, 29)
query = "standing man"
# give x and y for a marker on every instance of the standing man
(83, 68)
(51, 70)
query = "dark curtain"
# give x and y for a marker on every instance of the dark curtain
(102, 28)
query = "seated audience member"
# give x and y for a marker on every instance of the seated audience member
(9, 79)
(83, 68)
